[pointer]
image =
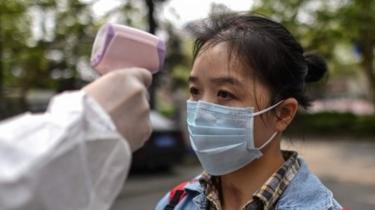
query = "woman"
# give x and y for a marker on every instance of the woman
(246, 85)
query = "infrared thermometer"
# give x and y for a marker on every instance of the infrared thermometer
(119, 46)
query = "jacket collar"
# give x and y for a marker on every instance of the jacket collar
(305, 190)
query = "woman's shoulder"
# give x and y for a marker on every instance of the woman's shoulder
(306, 191)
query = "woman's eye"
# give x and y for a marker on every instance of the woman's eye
(225, 94)
(194, 91)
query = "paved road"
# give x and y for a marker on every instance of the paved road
(346, 167)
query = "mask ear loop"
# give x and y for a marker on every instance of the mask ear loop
(262, 112)
(268, 141)
(267, 109)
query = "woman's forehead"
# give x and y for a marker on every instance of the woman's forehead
(220, 60)
(216, 65)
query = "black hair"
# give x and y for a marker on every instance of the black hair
(265, 46)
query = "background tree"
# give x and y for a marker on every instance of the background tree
(46, 44)
(152, 28)
(327, 26)
(14, 37)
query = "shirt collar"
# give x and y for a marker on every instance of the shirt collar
(274, 187)
(270, 191)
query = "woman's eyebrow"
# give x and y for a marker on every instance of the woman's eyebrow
(193, 79)
(225, 80)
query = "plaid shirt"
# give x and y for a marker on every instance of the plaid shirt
(265, 197)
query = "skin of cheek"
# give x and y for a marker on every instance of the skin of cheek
(264, 127)
(258, 96)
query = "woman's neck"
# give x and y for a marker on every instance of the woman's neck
(238, 187)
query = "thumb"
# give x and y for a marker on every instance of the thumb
(141, 74)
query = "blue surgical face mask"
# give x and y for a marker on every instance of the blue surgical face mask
(222, 136)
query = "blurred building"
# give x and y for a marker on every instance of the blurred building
(344, 94)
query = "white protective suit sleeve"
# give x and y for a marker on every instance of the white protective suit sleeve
(68, 158)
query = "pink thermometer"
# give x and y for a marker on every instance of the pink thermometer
(118, 46)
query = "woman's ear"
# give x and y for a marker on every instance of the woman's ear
(285, 113)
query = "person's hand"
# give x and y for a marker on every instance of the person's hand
(123, 95)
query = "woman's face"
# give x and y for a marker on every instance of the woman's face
(217, 79)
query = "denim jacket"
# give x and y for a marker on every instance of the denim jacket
(304, 192)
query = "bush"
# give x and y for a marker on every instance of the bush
(333, 123)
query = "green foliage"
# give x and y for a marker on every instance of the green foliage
(166, 109)
(178, 59)
(315, 29)
(180, 75)
(329, 27)
(43, 42)
(333, 124)
(42, 39)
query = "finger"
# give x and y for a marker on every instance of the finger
(143, 75)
